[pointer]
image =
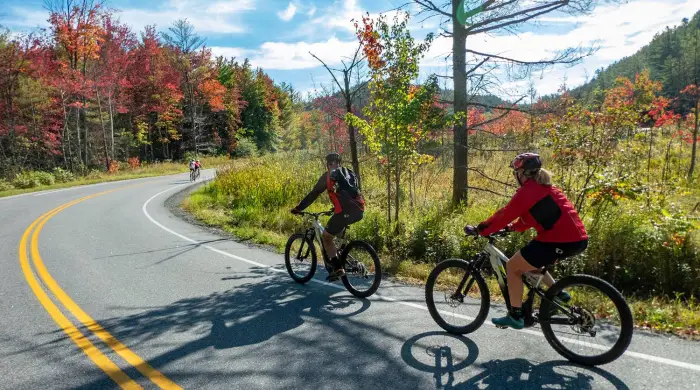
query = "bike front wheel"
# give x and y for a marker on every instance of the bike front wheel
(457, 296)
(300, 258)
(363, 271)
(593, 327)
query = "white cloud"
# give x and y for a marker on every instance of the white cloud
(291, 56)
(25, 18)
(311, 11)
(288, 13)
(619, 30)
(219, 17)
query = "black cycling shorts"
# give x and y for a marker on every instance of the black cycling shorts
(340, 221)
(540, 254)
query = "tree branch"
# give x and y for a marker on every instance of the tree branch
(480, 172)
(546, 9)
(428, 5)
(557, 60)
(487, 190)
(329, 71)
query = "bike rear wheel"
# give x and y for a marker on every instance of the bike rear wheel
(300, 258)
(363, 271)
(596, 313)
(457, 296)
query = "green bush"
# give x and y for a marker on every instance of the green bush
(5, 185)
(94, 174)
(26, 180)
(641, 250)
(245, 148)
(63, 176)
(45, 178)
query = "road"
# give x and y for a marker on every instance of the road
(114, 290)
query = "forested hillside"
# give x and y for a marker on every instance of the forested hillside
(672, 58)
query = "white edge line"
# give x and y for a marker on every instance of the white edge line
(638, 355)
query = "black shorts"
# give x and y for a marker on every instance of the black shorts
(540, 254)
(340, 221)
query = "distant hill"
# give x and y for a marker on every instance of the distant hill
(672, 57)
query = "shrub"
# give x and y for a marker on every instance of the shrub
(45, 178)
(94, 174)
(63, 176)
(5, 185)
(134, 162)
(245, 148)
(26, 180)
(113, 166)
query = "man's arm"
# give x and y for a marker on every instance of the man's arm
(315, 192)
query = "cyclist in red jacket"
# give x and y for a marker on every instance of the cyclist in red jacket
(560, 232)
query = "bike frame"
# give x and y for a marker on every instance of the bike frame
(315, 232)
(497, 262)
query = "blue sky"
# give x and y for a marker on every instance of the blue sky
(278, 34)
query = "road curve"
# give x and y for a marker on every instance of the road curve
(111, 290)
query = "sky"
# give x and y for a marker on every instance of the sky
(278, 35)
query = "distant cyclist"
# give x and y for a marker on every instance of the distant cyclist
(197, 166)
(349, 205)
(560, 232)
(193, 165)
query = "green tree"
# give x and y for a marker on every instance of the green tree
(395, 120)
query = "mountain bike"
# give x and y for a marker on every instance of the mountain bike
(194, 175)
(595, 314)
(363, 272)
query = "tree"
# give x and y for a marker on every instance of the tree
(493, 16)
(349, 94)
(693, 93)
(396, 119)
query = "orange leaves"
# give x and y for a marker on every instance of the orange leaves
(214, 93)
(79, 32)
(371, 46)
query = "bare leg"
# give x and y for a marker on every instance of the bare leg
(329, 245)
(515, 268)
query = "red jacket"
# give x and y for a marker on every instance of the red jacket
(542, 207)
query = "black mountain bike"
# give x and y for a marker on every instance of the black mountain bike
(596, 317)
(363, 272)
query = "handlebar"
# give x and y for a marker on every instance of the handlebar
(315, 215)
(500, 233)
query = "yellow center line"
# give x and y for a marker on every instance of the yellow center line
(122, 350)
(97, 357)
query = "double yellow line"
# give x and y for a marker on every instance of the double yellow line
(31, 235)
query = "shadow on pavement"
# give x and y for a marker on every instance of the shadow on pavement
(261, 321)
(444, 355)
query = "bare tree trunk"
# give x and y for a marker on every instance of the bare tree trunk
(77, 128)
(695, 141)
(459, 74)
(104, 131)
(388, 192)
(351, 130)
(397, 197)
(111, 123)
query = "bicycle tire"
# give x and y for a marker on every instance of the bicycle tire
(626, 320)
(485, 297)
(287, 258)
(377, 269)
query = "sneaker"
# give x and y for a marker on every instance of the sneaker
(564, 296)
(509, 321)
(335, 275)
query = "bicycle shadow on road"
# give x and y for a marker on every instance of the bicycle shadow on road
(444, 355)
(268, 319)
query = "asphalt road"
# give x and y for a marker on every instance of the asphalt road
(115, 290)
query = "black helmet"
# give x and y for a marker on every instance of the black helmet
(332, 157)
(528, 163)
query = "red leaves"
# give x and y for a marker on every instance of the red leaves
(369, 38)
